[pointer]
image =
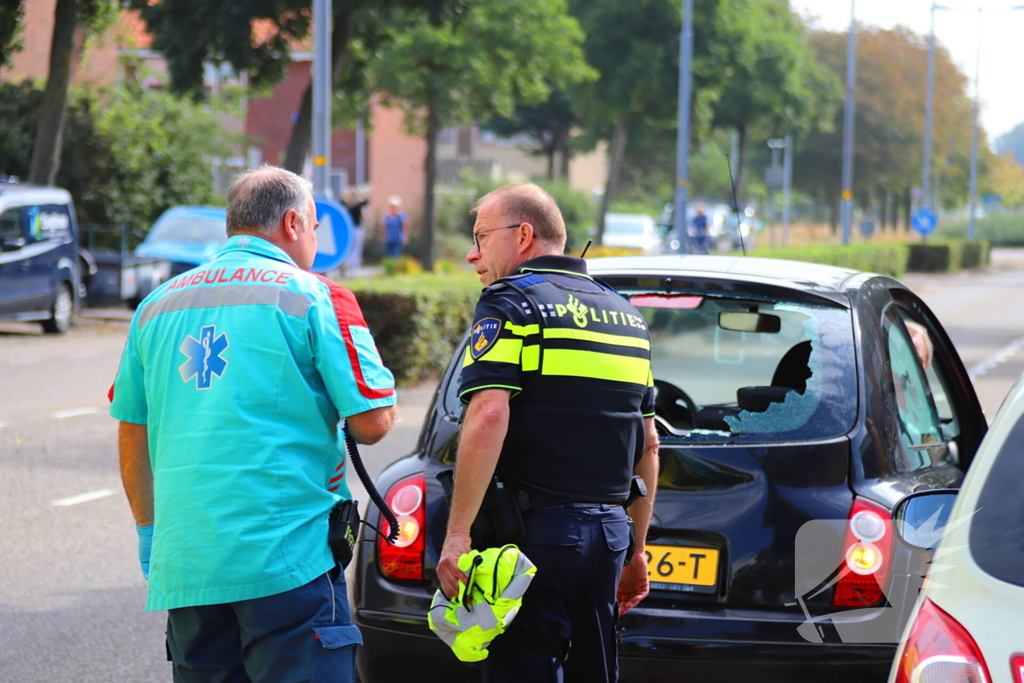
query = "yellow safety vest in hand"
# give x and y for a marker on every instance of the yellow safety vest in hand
(497, 580)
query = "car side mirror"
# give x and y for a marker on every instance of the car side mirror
(921, 518)
(12, 245)
(742, 321)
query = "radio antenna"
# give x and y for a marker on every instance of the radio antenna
(736, 205)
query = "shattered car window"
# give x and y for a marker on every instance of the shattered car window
(732, 370)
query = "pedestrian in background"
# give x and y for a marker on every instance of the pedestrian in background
(701, 243)
(396, 228)
(356, 203)
(561, 408)
(229, 393)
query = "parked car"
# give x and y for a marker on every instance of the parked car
(966, 625)
(187, 236)
(40, 263)
(786, 393)
(634, 231)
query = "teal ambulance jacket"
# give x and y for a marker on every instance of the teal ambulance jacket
(241, 370)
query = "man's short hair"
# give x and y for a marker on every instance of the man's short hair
(529, 203)
(258, 199)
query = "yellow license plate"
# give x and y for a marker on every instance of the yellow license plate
(682, 565)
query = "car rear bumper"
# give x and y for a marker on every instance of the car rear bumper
(403, 648)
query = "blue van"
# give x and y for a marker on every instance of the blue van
(39, 261)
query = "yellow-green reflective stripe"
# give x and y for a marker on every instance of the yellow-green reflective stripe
(468, 358)
(504, 351)
(596, 365)
(531, 357)
(599, 337)
(522, 330)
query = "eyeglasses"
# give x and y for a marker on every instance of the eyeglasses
(476, 235)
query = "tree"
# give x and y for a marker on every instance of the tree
(773, 80)
(1013, 142)
(11, 15)
(549, 123)
(891, 80)
(634, 46)
(68, 14)
(465, 62)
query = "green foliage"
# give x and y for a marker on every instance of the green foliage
(887, 259)
(126, 157)
(949, 256)
(11, 36)
(480, 60)
(417, 319)
(1005, 230)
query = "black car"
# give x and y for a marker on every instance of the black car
(795, 410)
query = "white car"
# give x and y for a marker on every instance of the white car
(968, 623)
(632, 230)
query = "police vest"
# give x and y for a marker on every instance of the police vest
(576, 429)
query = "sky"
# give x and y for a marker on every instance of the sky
(1002, 47)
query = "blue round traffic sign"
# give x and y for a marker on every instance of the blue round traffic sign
(335, 236)
(924, 221)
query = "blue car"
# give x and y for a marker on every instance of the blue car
(187, 236)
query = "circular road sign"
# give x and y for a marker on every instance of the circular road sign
(335, 236)
(924, 222)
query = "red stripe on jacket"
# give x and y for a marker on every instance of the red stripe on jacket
(346, 312)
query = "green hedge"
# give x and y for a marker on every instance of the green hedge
(948, 256)
(417, 319)
(887, 259)
(1000, 231)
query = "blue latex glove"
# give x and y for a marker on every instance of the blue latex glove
(145, 548)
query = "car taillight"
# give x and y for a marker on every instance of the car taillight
(867, 555)
(404, 560)
(1017, 666)
(940, 650)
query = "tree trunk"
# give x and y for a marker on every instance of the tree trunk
(427, 247)
(742, 147)
(883, 215)
(50, 130)
(302, 132)
(549, 153)
(614, 167)
(907, 204)
(566, 158)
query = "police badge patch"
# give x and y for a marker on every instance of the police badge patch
(485, 333)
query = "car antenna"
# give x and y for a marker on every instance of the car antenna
(735, 205)
(584, 254)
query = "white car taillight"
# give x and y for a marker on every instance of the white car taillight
(867, 554)
(940, 650)
(404, 559)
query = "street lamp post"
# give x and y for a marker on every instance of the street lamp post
(683, 142)
(974, 140)
(322, 97)
(846, 203)
(926, 180)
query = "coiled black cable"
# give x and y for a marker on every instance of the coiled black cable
(371, 490)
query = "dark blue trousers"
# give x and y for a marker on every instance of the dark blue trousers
(304, 635)
(579, 554)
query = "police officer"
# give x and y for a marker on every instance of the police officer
(558, 381)
(229, 393)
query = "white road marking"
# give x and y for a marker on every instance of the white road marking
(1001, 356)
(74, 412)
(83, 498)
(26, 361)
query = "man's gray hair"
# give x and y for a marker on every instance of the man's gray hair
(258, 199)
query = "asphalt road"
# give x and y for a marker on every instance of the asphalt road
(71, 593)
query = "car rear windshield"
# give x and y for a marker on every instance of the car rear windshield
(1001, 510)
(737, 370)
(191, 229)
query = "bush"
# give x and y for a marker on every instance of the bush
(126, 156)
(403, 265)
(886, 259)
(417, 319)
(1000, 231)
(951, 256)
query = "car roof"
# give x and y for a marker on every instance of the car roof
(211, 211)
(35, 192)
(795, 275)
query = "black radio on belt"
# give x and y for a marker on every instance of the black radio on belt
(343, 527)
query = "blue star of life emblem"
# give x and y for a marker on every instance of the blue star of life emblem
(204, 360)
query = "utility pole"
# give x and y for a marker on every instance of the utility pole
(974, 139)
(322, 98)
(683, 142)
(787, 186)
(846, 199)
